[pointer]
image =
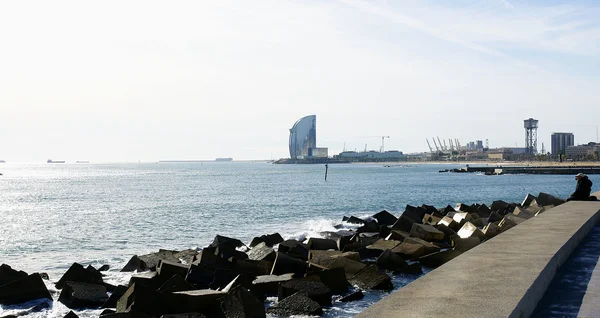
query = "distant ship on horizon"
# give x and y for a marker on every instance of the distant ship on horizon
(2, 161)
(55, 161)
(224, 159)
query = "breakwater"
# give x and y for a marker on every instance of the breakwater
(228, 277)
(563, 170)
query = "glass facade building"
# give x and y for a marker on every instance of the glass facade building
(560, 142)
(303, 137)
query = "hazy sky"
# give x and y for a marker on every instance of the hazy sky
(150, 80)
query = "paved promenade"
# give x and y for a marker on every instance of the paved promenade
(504, 277)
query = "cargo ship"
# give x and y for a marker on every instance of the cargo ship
(224, 159)
(55, 161)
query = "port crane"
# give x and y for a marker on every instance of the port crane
(428, 144)
(383, 142)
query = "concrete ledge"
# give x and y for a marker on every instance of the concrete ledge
(504, 277)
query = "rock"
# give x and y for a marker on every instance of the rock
(444, 211)
(285, 264)
(166, 269)
(450, 223)
(315, 255)
(385, 218)
(357, 295)
(268, 284)
(410, 251)
(499, 206)
(240, 303)
(334, 278)
(390, 261)
(226, 242)
(469, 230)
(510, 221)
(353, 220)
(372, 278)
(175, 284)
(24, 289)
(404, 224)
(134, 264)
(439, 258)
(355, 256)
(82, 295)
(262, 252)
(71, 314)
(527, 201)
(196, 300)
(491, 230)
(525, 214)
(186, 257)
(146, 279)
(269, 240)
(369, 226)
(396, 235)
(431, 219)
(208, 259)
(464, 244)
(254, 268)
(294, 249)
(77, 273)
(200, 276)
(381, 245)
(114, 297)
(414, 213)
(7, 274)
(297, 304)
(321, 244)
(426, 232)
(315, 290)
(141, 299)
(494, 217)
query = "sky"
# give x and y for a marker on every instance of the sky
(155, 80)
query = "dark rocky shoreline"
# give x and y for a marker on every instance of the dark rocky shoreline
(229, 279)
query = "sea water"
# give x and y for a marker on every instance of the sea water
(57, 214)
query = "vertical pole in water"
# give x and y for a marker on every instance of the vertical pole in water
(326, 168)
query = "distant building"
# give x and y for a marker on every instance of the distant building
(303, 136)
(583, 152)
(479, 144)
(560, 142)
(391, 155)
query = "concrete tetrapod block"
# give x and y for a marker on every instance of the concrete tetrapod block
(315, 290)
(321, 244)
(262, 252)
(297, 304)
(285, 264)
(268, 284)
(23, 290)
(426, 232)
(385, 218)
(240, 303)
(372, 277)
(411, 251)
(468, 230)
(82, 295)
(334, 278)
(450, 223)
(7, 274)
(77, 273)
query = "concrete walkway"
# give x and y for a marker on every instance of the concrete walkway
(504, 277)
(590, 307)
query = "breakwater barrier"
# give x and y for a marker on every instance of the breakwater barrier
(505, 277)
(566, 170)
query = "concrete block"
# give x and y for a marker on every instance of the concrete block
(82, 295)
(385, 218)
(315, 290)
(321, 244)
(372, 277)
(268, 284)
(426, 232)
(261, 252)
(298, 304)
(469, 230)
(285, 264)
(24, 289)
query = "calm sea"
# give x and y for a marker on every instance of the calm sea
(57, 214)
